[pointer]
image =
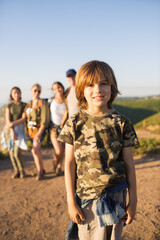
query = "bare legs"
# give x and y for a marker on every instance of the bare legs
(58, 155)
(37, 155)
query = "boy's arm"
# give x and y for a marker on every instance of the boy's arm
(131, 180)
(74, 210)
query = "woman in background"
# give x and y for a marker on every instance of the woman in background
(37, 114)
(58, 116)
(15, 117)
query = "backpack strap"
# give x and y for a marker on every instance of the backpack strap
(33, 126)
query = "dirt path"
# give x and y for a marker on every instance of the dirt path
(147, 134)
(35, 210)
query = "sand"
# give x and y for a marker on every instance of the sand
(37, 210)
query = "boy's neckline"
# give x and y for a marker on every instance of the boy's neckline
(100, 115)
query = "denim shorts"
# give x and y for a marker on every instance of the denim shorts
(54, 130)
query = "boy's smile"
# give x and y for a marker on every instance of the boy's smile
(97, 96)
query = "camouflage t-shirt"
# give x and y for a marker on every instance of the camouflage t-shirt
(98, 141)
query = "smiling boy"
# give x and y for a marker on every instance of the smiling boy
(99, 162)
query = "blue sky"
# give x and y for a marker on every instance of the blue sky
(41, 39)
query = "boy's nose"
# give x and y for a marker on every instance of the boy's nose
(97, 87)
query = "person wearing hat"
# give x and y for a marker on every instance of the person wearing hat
(70, 93)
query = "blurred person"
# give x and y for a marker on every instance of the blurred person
(58, 111)
(70, 93)
(37, 115)
(15, 119)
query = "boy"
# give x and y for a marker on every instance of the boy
(99, 158)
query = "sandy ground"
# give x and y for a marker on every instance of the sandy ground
(147, 134)
(37, 210)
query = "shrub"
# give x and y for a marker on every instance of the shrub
(3, 154)
(150, 145)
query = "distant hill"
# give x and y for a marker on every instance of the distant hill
(137, 98)
(150, 104)
(2, 118)
(138, 109)
(151, 124)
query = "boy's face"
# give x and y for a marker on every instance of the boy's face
(71, 80)
(97, 96)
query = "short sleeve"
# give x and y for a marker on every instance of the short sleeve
(23, 107)
(9, 106)
(129, 135)
(67, 133)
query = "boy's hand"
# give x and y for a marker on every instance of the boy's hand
(75, 213)
(130, 213)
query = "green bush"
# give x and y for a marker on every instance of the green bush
(151, 124)
(150, 145)
(3, 154)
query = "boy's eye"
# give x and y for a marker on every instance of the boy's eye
(104, 83)
(90, 85)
